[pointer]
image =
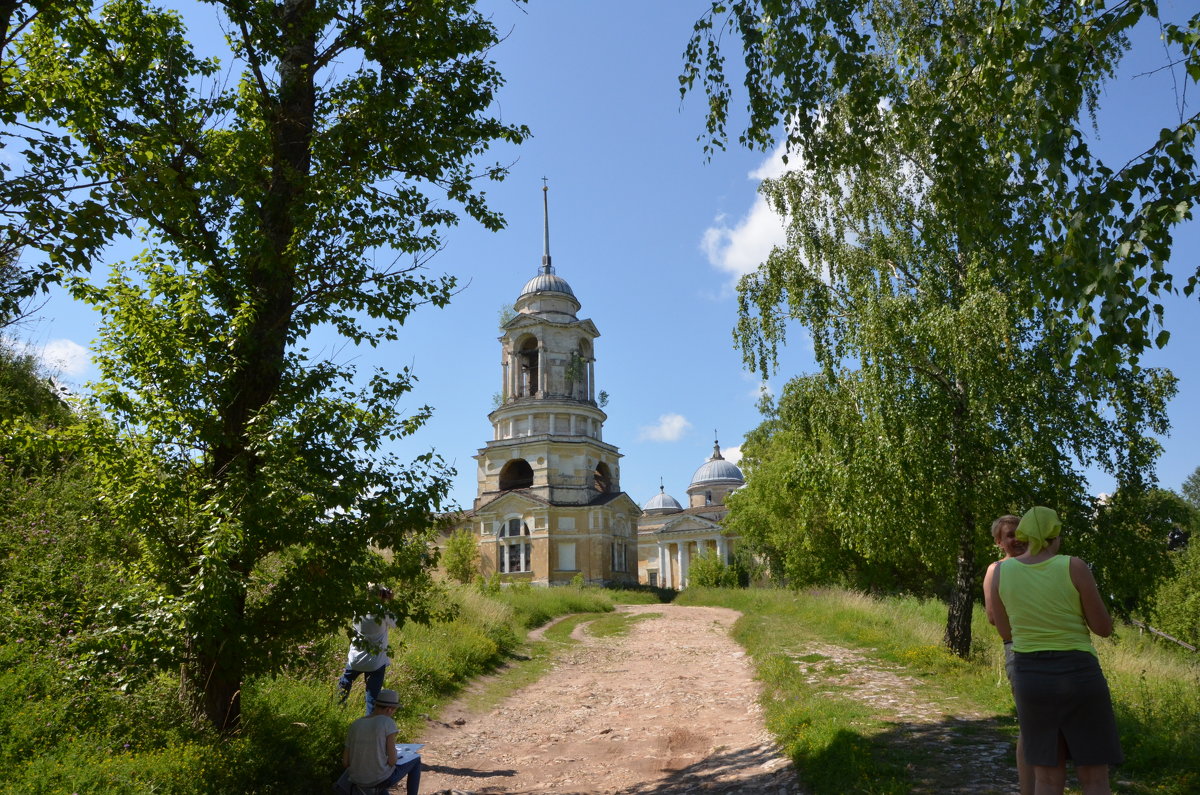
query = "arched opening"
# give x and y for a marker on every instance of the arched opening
(527, 361)
(516, 474)
(602, 478)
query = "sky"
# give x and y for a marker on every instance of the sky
(652, 237)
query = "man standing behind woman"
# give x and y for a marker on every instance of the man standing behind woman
(1004, 533)
(1046, 603)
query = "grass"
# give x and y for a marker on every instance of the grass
(842, 745)
(58, 737)
(63, 737)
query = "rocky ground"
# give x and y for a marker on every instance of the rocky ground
(671, 708)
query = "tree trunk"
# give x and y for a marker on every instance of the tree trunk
(218, 692)
(260, 348)
(962, 597)
(962, 601)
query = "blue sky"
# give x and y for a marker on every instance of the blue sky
(651, 238)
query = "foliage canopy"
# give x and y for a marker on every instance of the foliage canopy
(288, 192)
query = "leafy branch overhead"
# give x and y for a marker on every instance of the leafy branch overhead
(960, 80)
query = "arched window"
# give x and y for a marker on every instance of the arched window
(516, 474)
(516, 553)
(527, 357)
(602, 478)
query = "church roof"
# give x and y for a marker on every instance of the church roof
(716, 470)
(547, 281)
(662, 503)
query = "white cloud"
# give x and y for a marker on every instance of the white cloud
(670, 428)
(739, 248)
(732, 454)
(65, 357)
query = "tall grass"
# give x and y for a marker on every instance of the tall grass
(60, 737)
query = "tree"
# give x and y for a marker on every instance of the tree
(964, 79)
(461, 556)
(1191, 489)
(48, 207)
(1177, 603)
(1127, 546)
(954, 395)
(294, 198)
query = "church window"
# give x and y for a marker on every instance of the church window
(516, 557)
(516, 553)
(653, 578)
(528, 357)
(619, 556)
(516, 474)
(514, 527)
(602, 478)
(566, 556)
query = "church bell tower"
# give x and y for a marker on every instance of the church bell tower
(549, 506)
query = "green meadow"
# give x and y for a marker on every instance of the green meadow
(60, 736)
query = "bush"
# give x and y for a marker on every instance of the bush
(1177, 604)
(461, 556)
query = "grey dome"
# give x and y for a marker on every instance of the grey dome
(662, 503)
(546, 282)
(717, 470)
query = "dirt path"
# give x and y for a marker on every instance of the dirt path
(670, 708)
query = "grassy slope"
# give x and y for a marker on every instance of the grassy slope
(842, 745)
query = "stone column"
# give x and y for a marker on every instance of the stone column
(664, 565)
(722, 549)
(591, 376)
(684, 560)
(541, 384)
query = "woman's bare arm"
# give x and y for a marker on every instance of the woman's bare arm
(994, 605)
(1094, 612)
(987, 594)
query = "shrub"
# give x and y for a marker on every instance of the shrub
(461, 556)
(1177, 604)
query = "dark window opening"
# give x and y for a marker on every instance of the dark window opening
(528, 358)
(602, 479)
(516, 475)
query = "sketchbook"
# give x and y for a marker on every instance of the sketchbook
(406, 752)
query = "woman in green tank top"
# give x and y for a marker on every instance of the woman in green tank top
(1048, 605)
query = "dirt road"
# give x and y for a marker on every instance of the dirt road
(670, 708)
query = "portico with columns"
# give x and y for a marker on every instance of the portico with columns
(670, 536)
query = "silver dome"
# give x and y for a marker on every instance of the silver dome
(717, 470)
(662, 503)
(547, 283)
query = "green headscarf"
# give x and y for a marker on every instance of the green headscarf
(1038, 526)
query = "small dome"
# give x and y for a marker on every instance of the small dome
(547, 282)
(716, 470)
(662, 503)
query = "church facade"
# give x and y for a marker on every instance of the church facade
(549, 507)
(670, 536)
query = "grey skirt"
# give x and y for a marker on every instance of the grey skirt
(1064, 694)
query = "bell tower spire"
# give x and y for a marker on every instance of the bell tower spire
(546, 266)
